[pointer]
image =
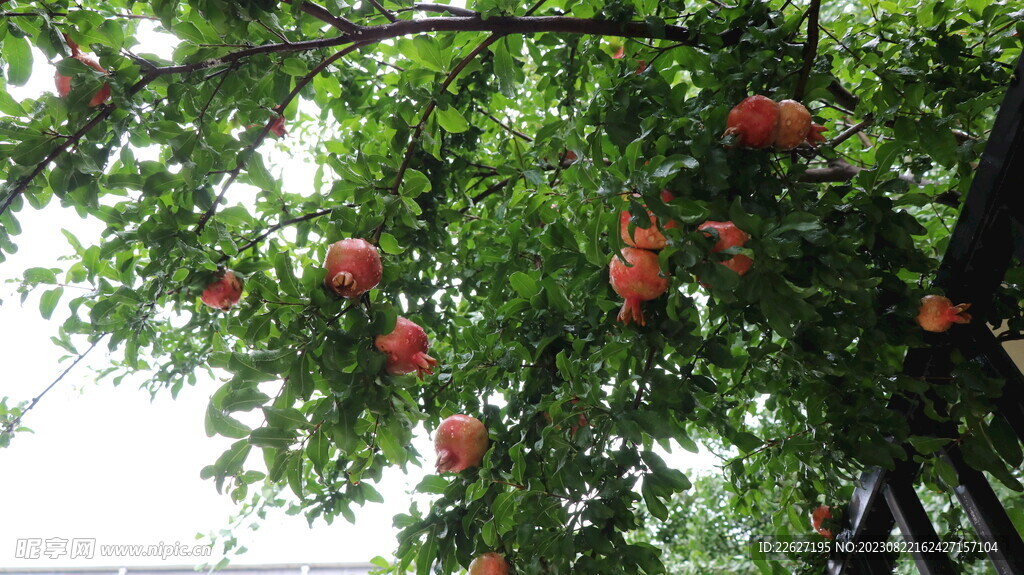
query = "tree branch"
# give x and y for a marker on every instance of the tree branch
(251, 148)
(851, 131)
(310, 216)
(509, 129)
(840, 170)
(365, 35)
(16, 422)
(322, 14)
(497, 25)
(432, 105)
(442, 8)
(810, 49)
(384, 11)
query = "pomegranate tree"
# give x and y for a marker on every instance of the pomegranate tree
(821, 514)
(759, 122)
(64, 82)
(729, 236)
(488, 564)
(353, 267)
(637, 279)
(651, 238)
(224, 292)
(937, 313)
(406, 347)
(460, 443)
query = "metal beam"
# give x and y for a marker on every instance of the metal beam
(986, 513)
(916, 528)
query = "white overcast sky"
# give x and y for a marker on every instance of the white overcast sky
(109, 464)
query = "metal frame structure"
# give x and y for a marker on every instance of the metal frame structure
(988, 234)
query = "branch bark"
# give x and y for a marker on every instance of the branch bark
(810, 49)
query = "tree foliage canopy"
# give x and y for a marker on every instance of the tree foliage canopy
(488, 151)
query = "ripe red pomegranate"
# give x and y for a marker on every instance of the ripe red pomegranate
(353, 267)
(64, 82)
(758, 122)
(795, 127)
(460, 442)
(938, 314)
(277, 127)
(753, 122)
(488, 564)
(639, 281)
(651, 238)
(729, 236)
(406, 348)
(818, 516)
(581, 420)
(223, 293)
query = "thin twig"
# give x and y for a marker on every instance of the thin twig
(384, 11)
(411, 148)
(16, 422)
(851, 131)
(256, 240)
(442, 8)
(251, 148)
(509, 129)
(322, 14)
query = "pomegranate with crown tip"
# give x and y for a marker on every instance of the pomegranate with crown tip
(64, 82)
(753, 122)
(938, 314)
(277, 127)
(460, 442)
(818, 517)
(223, 293)
(353, 267)
(637, 281)
(651, 238)
(488, 564)
(729, 236)
(795, 127)
(406, 348)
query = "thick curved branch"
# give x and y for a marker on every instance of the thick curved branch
(497, 25)
(839, 171)
(364, 35)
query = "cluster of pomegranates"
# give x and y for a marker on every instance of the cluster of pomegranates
(64, 82)
(353, 268)
(760, 122)
(637, 275)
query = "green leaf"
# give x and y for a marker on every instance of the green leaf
(272, 437)
(525, 286)
(415, 183)
(49, 300)
(1005, 441)
(18, 54)
(285, 418)
(452, 120)
(389, 244)
(218, 423)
